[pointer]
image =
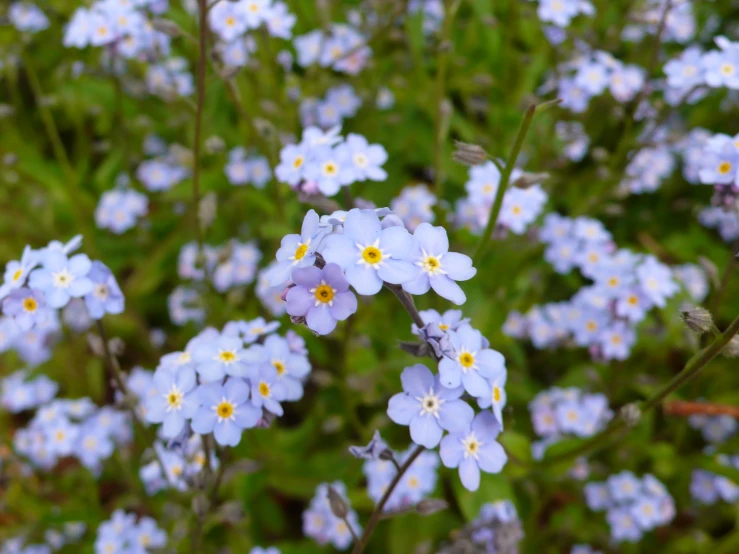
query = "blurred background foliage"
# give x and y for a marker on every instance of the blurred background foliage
(497, 56)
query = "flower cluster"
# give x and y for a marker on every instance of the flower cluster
(340, 102)
(119, 209)
(170, 79)
(43, 282)
(325, 162)
(165, 170)
(601, 316)
(715, 429)
(27, 17)
(225, 382)
(361, 250)
(647, 169)
(576, 140)
(231, 265)
(342, 48)
(521, 206)
(18, 393)
(247, 170)
(230, 21)
(557, 413)
(708, 488)
(182, 462)
(414, 205)
(76, 428)
(694, 69)
(562, 12)
(321, 523)
(589, 75)
(124, 27)
(431, 404)
(496, 530)
(417, 483)
(123, 533)
(55, 539)
(634, 506)
(679, 21)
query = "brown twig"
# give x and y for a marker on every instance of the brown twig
(685, 408)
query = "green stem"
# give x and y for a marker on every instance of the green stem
(202, 61)
(376, 515)
(505, 178)
(51, 129)
(692, 368)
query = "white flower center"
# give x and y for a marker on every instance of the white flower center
(430, 403)
(360, 160)
(62, 279)
(431, 264)
(471, 445)
(173, 398)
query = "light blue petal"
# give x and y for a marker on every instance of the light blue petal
(425, 431)
(446, 288)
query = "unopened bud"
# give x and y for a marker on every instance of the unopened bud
(207, 209)
(631, 414)
(338, 505)
(166, 26)
(200, 505)
(528, 180)
(429, 506)
(320, 262)
(417, 349)
(731, 350)
(698, 320)
(469, 154)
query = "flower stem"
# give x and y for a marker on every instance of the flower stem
(505, 178)
(692, 368)
(376, 515)
(202, 61)
(407, 301)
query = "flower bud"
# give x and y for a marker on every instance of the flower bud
(731, 350)
(528, 180)
(166, 26)
(200, 505)
(469, 154)
(698, 320)
(429, 506)
(338, 505)
(631, 414)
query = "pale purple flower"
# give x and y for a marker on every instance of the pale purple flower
(225, 410)
(61, 279)
(322, 296)
(470, 363)
(297, 250)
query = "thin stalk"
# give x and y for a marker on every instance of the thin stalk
(51, 129)
(376, 514)
(351, 529)
(407, 301)
(505, 178)
(115, 369)
(684, 408)
(202, 61)
(440, 125)
(692, 368)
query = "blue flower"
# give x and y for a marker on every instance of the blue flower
(222, 356)
(225, 410)
(497, 398)
(370, 254)
(624, 486)
(366, 159)
(330, 168)
(175, 400)
(26, 307)
(17, 271)
(428, 407)
(61, 279)
(106, 295)
(267, 390)
(297, 250)
(292, 369)
(474, 449)
(439, 268)
(469, 363)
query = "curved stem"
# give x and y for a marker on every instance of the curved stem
(505, 178)
(376, 515)
(408, 303)
(694, 366)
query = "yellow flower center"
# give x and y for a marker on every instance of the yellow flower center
(467, 360)
(30, 304)
(372, 255)
(487, 189)
(613, 282)
(324, 293)
(177, 470)
(300, 251)
(226, 356)
(253, 8)
(264, 389)
(184, 358)
(17, 274)
(724, 168)
(225, 409)
(174, 398)
(516, 210)
(591, 325)
(727, 69)
(633, 300)
(616, 339)
(413, 482)
(297, 162)
(230, 21)
(443, 326)
(279, 366)
(330, 169)
(496, 394)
